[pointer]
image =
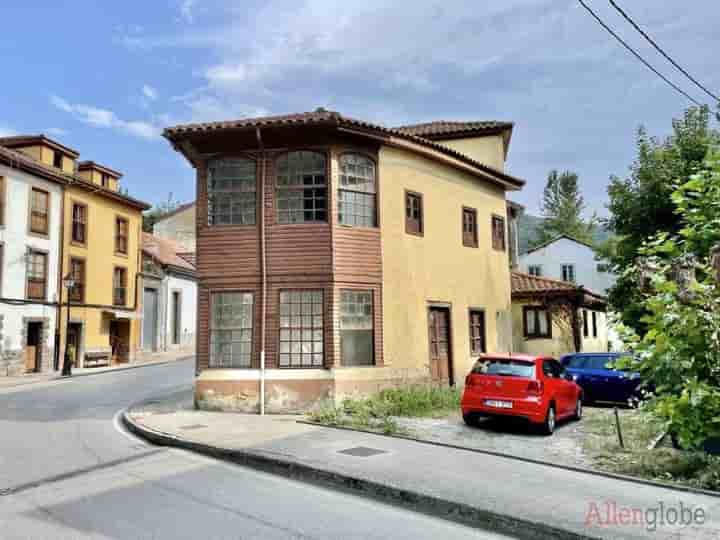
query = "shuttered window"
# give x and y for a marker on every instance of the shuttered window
(77, 272)
(79, 223)
(36, 275)
(301, 187)
(356, 328)
(119, 286)
(39, 211)
(301, 329)
(498, 233)
(414, 213)
(357, 195)
(477, 331)
(121, 235)
(232, 192)
(469, 227)
(231, 330)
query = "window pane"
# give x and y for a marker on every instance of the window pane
(231, 330)
(304, 342)
(231, 192)
(542, 322)
(356, 328)
(530, 322)
(301, 187)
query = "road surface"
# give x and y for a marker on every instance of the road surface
(68, 471)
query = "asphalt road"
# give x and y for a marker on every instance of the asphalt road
(68, 471)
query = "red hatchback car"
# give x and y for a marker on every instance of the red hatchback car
(535, 388)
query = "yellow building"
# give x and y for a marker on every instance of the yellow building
(101, 252)
(100, 249)
(336, 257)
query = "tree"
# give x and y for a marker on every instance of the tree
(158, 211)
(641, 205)
(562, 209)
(679, 354)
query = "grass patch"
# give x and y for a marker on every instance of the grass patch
(639, 429)
(377, 411)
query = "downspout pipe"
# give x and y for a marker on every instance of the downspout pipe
(263, 270)
(59, 285)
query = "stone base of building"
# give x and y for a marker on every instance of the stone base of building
(295, 391)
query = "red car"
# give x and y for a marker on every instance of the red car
(535, 388)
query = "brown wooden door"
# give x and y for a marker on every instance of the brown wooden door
(33, 347)
(30, 358)
(439, 332)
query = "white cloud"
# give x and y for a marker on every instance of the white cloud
(56, 131)
(186, 10)
(149, 92)
(104, 118)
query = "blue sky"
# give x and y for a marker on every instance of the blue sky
(105, 77)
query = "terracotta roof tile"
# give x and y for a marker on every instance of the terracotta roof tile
(525, 283)
(333, 118)
(165, 251)
(442, 129)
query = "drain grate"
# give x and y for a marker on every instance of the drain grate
(193, 426)
(362, 451)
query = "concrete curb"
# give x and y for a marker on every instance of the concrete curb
(286, 467)
(594, 472)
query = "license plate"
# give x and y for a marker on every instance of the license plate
(498, 404)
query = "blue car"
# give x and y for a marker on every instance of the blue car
(600, 382)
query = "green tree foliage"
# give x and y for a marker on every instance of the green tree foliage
(562, 209)
(641, 206)
(680, 351)
(157, 212)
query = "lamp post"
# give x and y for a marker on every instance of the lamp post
(69, 283)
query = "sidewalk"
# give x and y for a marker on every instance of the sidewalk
(144, 359)
(521, 499)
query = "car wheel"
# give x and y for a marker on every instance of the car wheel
(471, 419)
(578, 409)
(548, 426)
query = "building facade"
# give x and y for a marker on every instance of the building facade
(568, 259)
(92, 235)
(337, 257)
(553, 318)
(30, 224)
(178, 226)
(169, 297)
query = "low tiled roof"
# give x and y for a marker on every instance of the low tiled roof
(335, 119)
(28, 140)
(525, 283)
(22, 161)
(189, 257)
(445, 129)
(165, 251)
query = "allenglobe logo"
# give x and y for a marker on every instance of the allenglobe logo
(609, 513)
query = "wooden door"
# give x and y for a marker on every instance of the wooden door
(30, 358)
(33, 347)
(439, 332)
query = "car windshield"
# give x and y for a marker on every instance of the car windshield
(505, 367)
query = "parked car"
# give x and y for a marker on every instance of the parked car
(535, 388)
(599, 380)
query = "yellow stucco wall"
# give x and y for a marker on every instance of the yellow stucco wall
(437, 267)
(487, 150)
(47, 156)
(95, 176)
(100, 260)
(562, 340)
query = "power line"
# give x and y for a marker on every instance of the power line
(659, 49)
(637, 55)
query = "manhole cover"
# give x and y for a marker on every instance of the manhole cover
(193, 426)
(362, 451)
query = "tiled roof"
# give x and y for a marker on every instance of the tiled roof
(525, 283)
(444, 129)
(166, 252)
(189, 257)
(102, 168)
(333, 118)
(19, 160)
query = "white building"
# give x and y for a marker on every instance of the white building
(178, 226)
(30, 225)
(169, 296)
(568, 259)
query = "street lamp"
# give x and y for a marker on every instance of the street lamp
(69, 283)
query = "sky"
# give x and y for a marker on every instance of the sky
(106, 77)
